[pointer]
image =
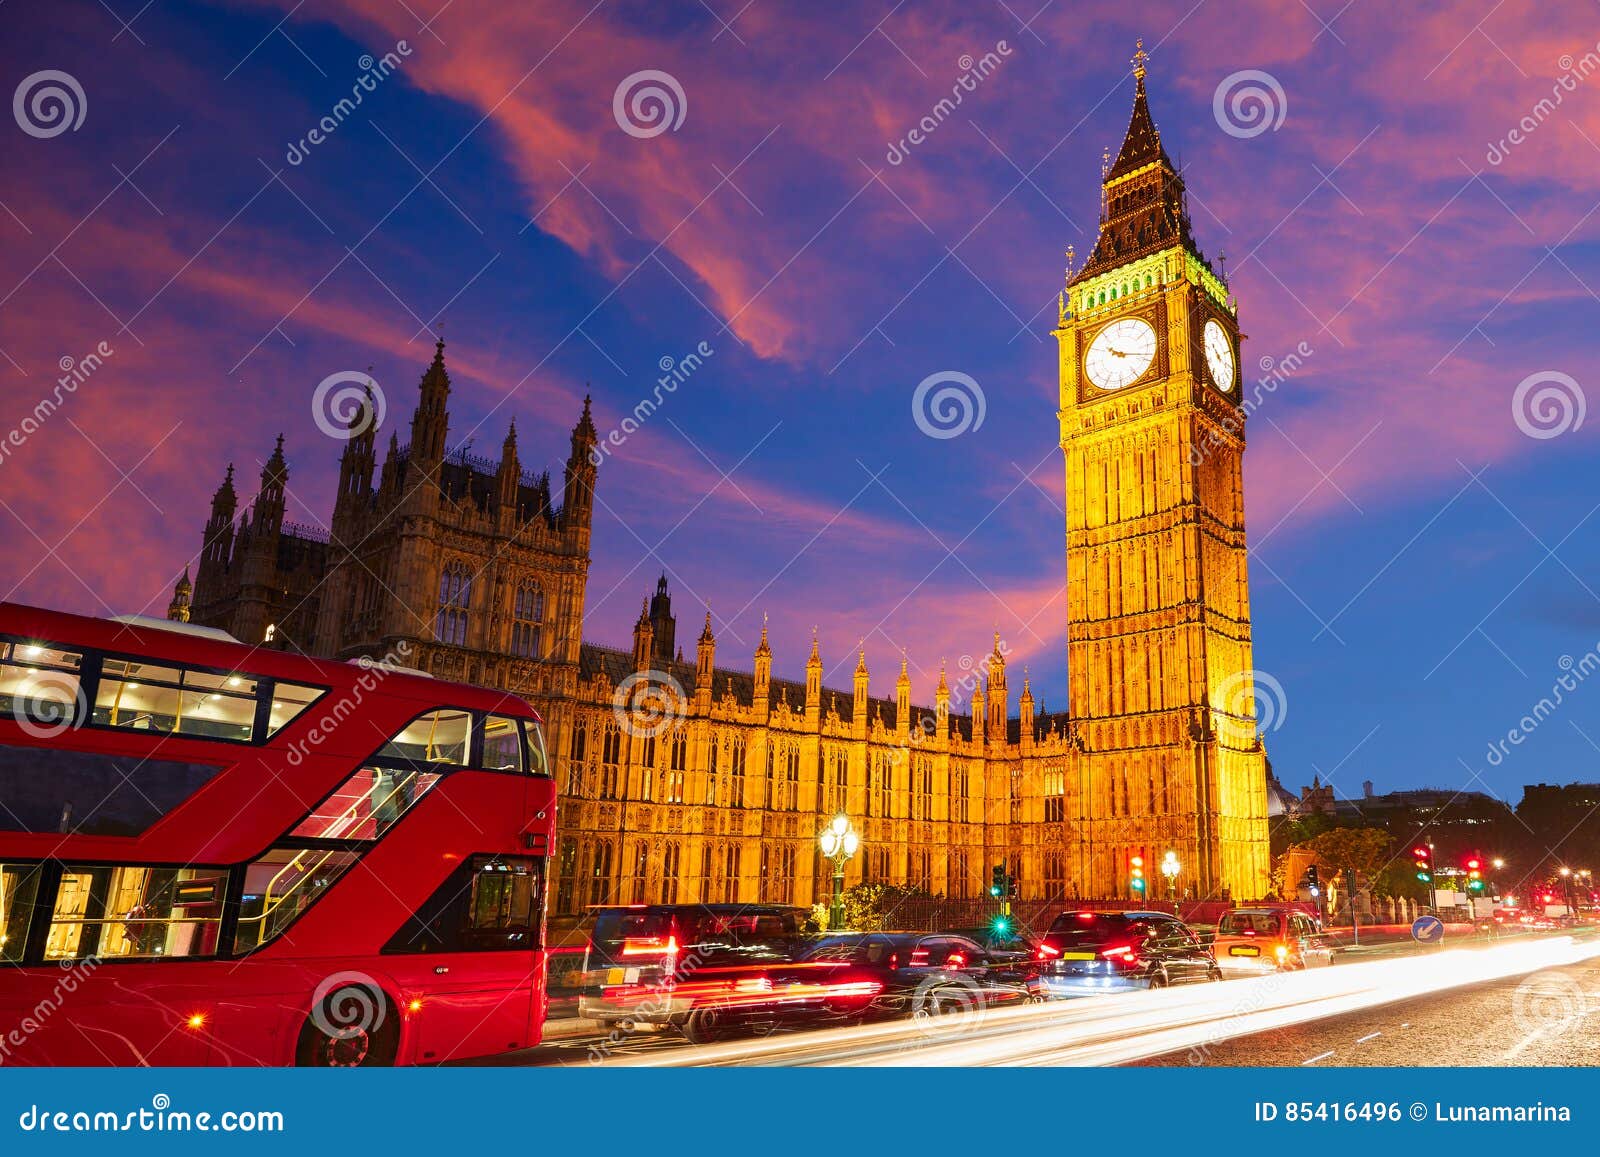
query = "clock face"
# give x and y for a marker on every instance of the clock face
(1219, 356)
(1120, 354)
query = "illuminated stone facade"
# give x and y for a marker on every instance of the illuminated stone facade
(683, 780)
(1161, 688)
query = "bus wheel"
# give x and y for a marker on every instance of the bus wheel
(333, 1038)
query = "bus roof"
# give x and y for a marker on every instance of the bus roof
(146, 638)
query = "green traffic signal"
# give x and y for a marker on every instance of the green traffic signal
(1000, 926)
(1425, 877)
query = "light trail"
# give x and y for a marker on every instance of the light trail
(1116, 1029)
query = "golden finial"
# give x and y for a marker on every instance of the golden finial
(1139, 57)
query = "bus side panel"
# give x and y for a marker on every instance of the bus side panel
(75, 1016)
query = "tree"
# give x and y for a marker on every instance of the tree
(1364, 851)
(873, 907)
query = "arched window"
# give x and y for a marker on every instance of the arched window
(600, 873)
(527, 622)
(455, 600)
(671, 855)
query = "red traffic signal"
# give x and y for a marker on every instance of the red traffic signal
(1474, 864)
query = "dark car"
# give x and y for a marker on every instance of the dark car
(1094, 952)
(917, 974)
(1002, 938)
(703, 968)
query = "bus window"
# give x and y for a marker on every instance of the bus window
(153, 697)
(488, 904)
(281, 885)
(288, 701)
(502, 744)
(136, 912)
(437, 737)
(54, 789)
(366, 804)
(19, 890)
(538, 760)
(38, 682)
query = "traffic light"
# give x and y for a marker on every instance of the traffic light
(1000, 926)
(1314, 880)
(1136, 874)
(1474, 874)
(1423, 856)
(997, 881)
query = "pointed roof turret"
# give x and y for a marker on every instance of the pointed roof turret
(1142, 143)
(225, 500)
(276, 468)
(178, 608)
(1144, 207)
(705, 634)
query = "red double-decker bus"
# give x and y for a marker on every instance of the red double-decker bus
(216, 854)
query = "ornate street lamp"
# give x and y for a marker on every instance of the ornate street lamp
(1170, 869)
(839, 842)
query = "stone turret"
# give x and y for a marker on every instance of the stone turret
(178, 608)
(430, 424)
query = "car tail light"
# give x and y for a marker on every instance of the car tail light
(956, 960)
(919, 957)
(1124, 952)
(1046, 952)
(650, 946)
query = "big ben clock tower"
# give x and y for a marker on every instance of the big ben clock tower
(1158, 650)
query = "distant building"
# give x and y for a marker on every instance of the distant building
(1562, 823)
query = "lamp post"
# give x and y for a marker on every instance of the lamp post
(1170, 869)
(839, 842)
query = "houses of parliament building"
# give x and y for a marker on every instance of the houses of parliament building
(480, 569)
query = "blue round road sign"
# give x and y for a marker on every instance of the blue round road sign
(1427, 930)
